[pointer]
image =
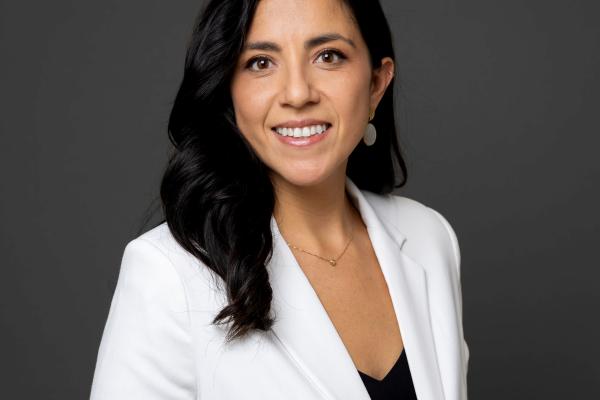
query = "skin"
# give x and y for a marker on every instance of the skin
(312, 209)
(299, 83)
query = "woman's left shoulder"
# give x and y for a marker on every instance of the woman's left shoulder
(427, 232)
(430, 241)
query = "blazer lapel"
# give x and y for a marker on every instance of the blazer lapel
(305, 330)
(307, 334)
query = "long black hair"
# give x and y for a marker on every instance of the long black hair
(216, 193)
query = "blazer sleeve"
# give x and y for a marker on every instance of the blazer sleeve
(456, 252)
(146, 347)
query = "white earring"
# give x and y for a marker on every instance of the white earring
(370, 133)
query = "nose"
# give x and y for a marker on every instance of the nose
(299, 89)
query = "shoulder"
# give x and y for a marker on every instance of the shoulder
(427, 232)
(164, 252)
(148, 270)
(160, 238)
(147, 332)
(167, 269)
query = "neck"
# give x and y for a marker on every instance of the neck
(319, 217)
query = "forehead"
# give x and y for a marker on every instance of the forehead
(290, 18)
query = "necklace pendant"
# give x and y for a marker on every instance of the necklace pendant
(332, 262)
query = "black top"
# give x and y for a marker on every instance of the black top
(397, 384)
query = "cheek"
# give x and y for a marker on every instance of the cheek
(250, 103)
(350, 97)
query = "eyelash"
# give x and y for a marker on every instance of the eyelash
(251, 61)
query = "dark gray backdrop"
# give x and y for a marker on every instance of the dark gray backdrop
(499, 111)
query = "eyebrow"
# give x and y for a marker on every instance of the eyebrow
(309, 44)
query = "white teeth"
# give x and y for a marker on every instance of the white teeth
(302, 132)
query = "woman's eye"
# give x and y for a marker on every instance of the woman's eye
(329, 56)
(259, 61)
(262, 63)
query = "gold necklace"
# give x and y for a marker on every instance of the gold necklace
(331, 261)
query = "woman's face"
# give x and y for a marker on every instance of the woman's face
(295, 73)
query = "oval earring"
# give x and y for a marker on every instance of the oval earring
(370, 134)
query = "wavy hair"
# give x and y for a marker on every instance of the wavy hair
(216, 193)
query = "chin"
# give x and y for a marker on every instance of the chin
(302, 177)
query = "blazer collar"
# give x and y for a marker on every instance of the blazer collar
(308, 335)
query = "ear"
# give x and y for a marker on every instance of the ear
(380, 80)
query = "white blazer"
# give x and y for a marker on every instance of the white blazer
(158, 342)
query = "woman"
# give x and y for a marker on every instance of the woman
(286, 269)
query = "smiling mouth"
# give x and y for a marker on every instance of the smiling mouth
(306, 131)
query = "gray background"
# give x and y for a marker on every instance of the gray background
(499, 111)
